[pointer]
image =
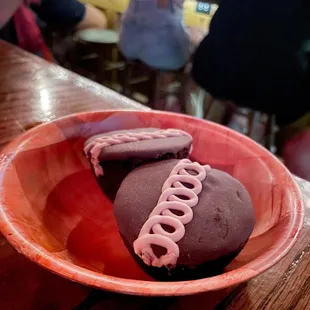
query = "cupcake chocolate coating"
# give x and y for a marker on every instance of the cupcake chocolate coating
(117, 159)
(222, 222)
(144, 150)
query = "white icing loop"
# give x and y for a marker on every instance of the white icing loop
(95, 147)
(178, 181)
(165, 208)
(147, 254)
(155, 223)
(171, 194)
(176, 196)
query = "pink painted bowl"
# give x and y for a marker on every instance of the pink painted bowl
(53, 212)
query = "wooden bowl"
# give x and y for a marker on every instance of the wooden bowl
(53, 212)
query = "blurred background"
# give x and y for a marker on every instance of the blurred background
(144, 49)
(94, 53)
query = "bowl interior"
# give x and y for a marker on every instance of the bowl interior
(54, 212)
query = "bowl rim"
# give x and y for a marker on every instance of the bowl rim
(75, 273)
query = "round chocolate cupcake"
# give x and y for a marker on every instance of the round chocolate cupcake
(182, 220)
(114, 154)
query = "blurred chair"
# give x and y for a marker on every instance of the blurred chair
(96, 54)
(162, 83)
(258, 126)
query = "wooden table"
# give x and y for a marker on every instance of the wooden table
(33, 91)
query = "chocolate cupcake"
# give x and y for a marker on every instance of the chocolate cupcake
(114, 154)
(182, 220)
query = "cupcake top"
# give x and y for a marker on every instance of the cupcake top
(176, 212)
(142, 143)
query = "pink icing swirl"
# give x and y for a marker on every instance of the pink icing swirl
(152, 232)
(96, 146)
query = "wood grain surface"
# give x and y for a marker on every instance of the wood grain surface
(33, 91)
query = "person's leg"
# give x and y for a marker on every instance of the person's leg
(165, 46)
(130, 40)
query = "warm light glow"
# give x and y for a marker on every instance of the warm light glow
(45, 100)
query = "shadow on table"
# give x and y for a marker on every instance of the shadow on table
(218, 300)
(26, 286)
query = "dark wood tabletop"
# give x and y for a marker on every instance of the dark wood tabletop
(33, 91)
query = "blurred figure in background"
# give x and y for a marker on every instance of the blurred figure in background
(18, 24)
(257, 54)
(153, 32)
(69, 14)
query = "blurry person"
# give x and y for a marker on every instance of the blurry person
(18, 24)
(19, 27)
(257, 54)
(7, 10)
(153, 32)
(69, 13)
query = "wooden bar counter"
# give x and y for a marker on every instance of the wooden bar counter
(33, 91)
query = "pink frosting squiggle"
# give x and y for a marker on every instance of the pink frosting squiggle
(152, 232)
(96, 146)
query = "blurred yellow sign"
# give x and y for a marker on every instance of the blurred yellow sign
(196, 13)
